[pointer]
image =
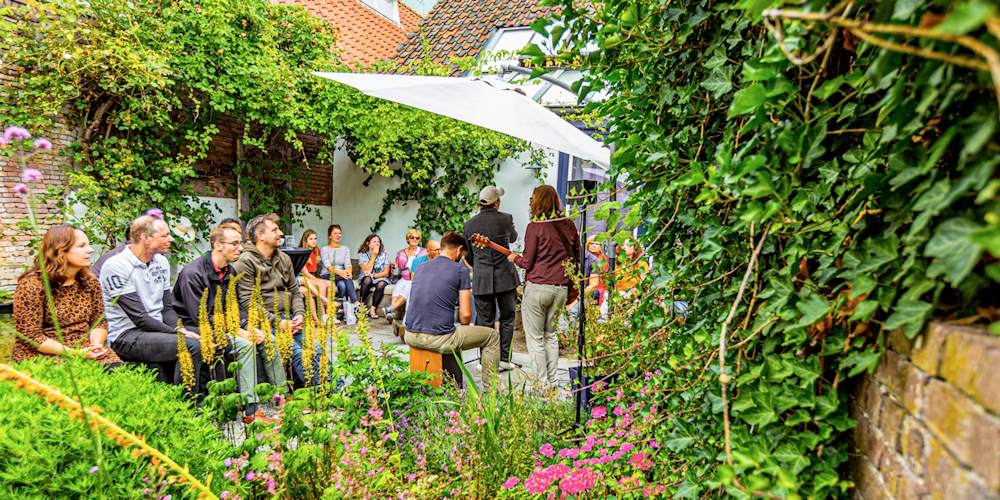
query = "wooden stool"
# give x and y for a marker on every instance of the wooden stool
(436, 363)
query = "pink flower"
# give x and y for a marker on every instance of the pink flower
(20, 188)
(42, 144)
(14, 133)
(640, 461)
(251, 475)
(510, 483)
(547, 450)
(599, 412)
(579, 481)
(94, 469)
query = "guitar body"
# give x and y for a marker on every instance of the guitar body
(481, 241)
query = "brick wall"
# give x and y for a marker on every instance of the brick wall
(929, 418)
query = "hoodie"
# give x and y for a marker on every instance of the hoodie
(276, 277)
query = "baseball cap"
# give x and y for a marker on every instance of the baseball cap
(490, 194)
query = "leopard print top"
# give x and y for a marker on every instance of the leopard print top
(77, 306)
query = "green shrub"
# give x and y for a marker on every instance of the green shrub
(46, 453)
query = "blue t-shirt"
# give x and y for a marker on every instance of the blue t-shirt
(416, 263)
(434, 296)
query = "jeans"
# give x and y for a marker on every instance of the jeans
(156, 347)
(249, 355)
(345, 289)
(464, 337)
(486, 311)
(539, 308)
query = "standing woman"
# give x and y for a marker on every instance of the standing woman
(374, 272)
(404, 261)
(550, 240)
(318, 287)
(76, 294)
(336, 259)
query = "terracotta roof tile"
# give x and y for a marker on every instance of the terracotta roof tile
(460, 28)
(364, 35)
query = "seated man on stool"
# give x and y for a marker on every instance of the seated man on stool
(440, 286)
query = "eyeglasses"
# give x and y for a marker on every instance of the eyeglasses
(413, 237)
(233, 243)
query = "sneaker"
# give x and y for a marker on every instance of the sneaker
(506, 366)
(390, 315)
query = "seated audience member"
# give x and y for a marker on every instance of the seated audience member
(433, 249)
(233, 224)
(138, 302)
(374, 272)
(404, 261)
(439, 286)
(210, 274)
(550, 240)
(277, 280)
(318, 287)
(96, 268)
(336, 259)
(595, 263)
(632, 267)
(77, 298)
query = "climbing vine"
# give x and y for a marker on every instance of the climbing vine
(812, 179)
(144, 85)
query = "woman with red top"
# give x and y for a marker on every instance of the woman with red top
(76, 295)
(550, 240)
(318, 287)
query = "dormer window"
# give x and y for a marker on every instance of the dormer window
(388, 9)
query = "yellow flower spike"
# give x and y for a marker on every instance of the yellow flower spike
(308, 337)
(205, 330)
(232, 307)
(219, 319)
(184, 359)
(116, 433)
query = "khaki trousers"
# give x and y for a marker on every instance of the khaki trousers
(539, 308)
(464, 337)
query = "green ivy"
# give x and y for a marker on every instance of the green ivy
(867, 176)
(143, 85)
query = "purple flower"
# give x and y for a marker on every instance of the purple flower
(250, 476)
(228, 462)
(20, 188)
(510, 483)
(225, 494)
(14, 133)
(42, 144)
(31, 175)
(94, 469)
(157, 214)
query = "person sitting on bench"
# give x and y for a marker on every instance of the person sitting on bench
(211, 274)
(440, 286)
(142, 324)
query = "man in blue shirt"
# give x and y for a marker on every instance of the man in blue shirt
(441, 285)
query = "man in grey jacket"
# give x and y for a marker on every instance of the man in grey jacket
(261, 256)
(494, 278)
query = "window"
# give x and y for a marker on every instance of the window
(388, 9)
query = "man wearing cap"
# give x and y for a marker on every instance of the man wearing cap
(494, 278)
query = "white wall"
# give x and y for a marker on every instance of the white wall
(356, 207)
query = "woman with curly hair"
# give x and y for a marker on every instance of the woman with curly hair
(77, 300)
(374, 272)
(632, 267)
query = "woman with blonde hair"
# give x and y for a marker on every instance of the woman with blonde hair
(549, 241)
(77, 300)
(632, 266)
(318, 287)
(403, 264)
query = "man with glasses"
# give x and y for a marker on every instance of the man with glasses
(138, 302)
(211, 274)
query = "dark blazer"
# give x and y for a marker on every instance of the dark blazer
(491, 271)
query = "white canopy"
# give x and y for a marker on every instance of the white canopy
(491, 104)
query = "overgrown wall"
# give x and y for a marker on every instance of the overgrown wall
(929, 418)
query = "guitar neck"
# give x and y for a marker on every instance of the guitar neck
(498, 248)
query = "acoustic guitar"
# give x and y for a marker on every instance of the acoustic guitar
(481, 241)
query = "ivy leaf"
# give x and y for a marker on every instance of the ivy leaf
(988, 238)
(862, 285)
(678, 443)
(864, 310)
(910, 314)
(759, 416)
(954, 248)
(966, 16)
(718, 83)
(747, 100)
(791, 459)
(688, 490)
(859, 361)
(813, 309)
